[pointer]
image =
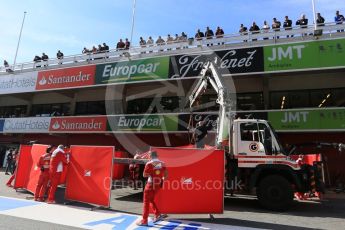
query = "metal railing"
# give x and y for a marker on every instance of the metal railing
(258, 38)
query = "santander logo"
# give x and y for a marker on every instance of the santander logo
(56, 125)
(66, 78)
(43, 81)
(79, 124)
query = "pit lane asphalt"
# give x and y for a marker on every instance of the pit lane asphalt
(241, 211)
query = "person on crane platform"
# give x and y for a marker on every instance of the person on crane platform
(200, 133)
(58, 160)
(156, 173)
(43, 180)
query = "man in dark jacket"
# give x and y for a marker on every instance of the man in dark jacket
(255, 30)
(303, 23)
(9, 159)
(287, 24)
(320, 21)
(209, 34)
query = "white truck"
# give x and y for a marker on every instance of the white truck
(253, 152)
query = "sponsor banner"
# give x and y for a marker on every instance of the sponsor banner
(18, 83)
(144, 123)
(330, 119)
(2, 122)
(231, 61)
(66, 78)
(137, 70)
(78, 124)
(306, 55)
(26, 125)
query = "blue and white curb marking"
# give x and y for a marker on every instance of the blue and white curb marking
(86, 219)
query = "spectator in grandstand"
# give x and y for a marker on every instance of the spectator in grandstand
(170, 40)
(339, 19)
(287, 25)
(160, 42)
(303, 23)
(243, 31)
(94, 50)
(7, 67)
(265, 29)
(320, 21)
(142, 43)
(177, 40)
(36, 60)
(120, 45)
(183, 38)
(59, 55)
(219, 33)
(255, 30)
(150, 43)
(100, 49)
(86, 51)
(199, 35)
(45, 58)
(276, 26)
(105, 47)
(127, 44)
(209, 34)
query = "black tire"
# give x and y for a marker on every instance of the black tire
(275, 193)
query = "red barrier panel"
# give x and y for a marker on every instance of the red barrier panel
(23, 167)
(89, 175)
(195, 182)
(119, 169)
(36, 152)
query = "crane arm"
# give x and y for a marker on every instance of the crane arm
(211, 75)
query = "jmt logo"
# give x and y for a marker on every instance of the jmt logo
(289, 52)
(295, 117)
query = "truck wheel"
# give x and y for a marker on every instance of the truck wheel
(275, 193)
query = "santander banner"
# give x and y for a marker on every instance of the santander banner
(66, 78)
(78, 124)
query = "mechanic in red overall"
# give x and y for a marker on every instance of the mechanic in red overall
(156, 173)
(134, 172)
(42, 184)
(58, 160)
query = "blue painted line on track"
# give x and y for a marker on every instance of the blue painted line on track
(9, 203)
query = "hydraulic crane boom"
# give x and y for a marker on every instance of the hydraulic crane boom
(211, 75)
